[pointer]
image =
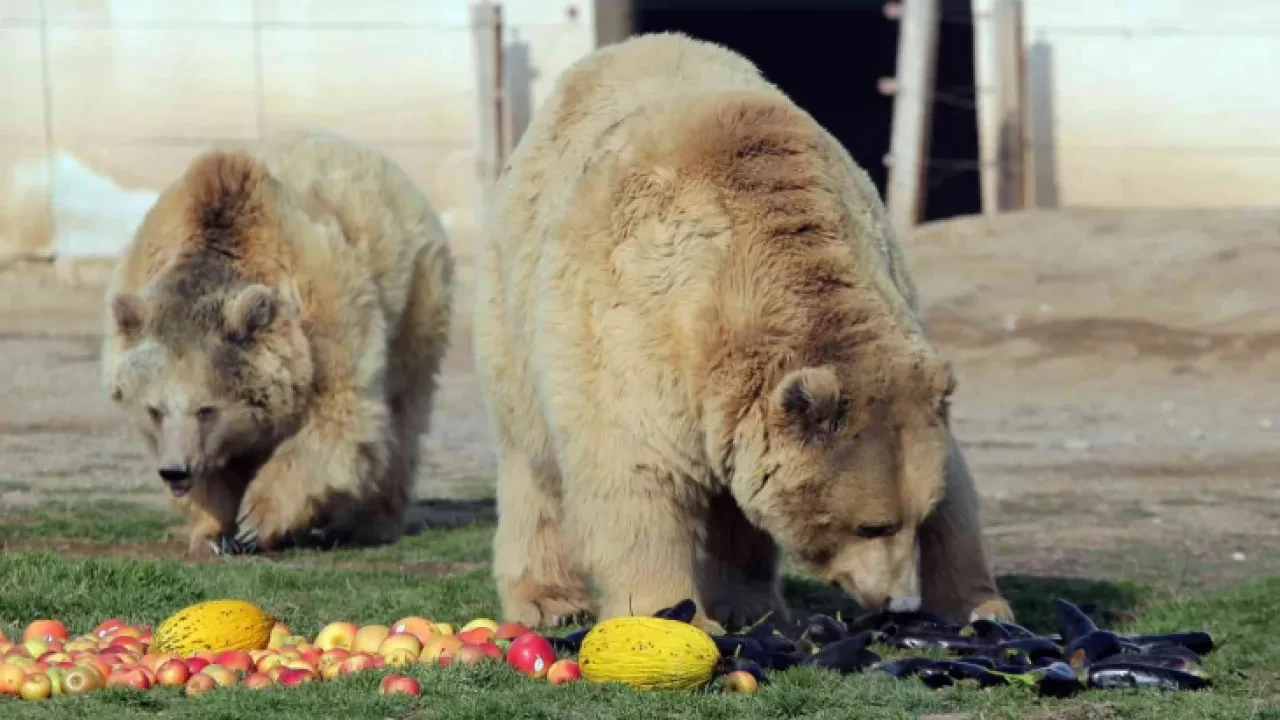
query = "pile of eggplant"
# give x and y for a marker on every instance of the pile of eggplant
(987, 653)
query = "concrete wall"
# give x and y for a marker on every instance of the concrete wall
(1158, 103)
(103, 102)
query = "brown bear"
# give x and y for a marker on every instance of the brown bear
(275, 330)
(700, 348)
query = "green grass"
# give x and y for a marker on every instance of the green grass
(306, 590)
(99, 521)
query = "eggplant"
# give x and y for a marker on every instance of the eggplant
(823, 629)
(1200, 643)
(904, 668)
(849, 655)
(776, 642)
(784, 660)
(917, 619)
(570, 643)
(1174, 662)
(1057, 680)
(985, 662)
(682, 611)
(1072, 622)
(987, 630)
(1137, 675)
(738, 646)
(1033, 648)
(1092, 647)
(1161, 648)
(938, 641)
(728, 665)
(805, 645)
(1014, 629)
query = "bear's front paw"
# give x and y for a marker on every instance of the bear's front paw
(261, 524)
(546, 607)
(993, 609)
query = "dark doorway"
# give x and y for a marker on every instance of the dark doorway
(827, 55)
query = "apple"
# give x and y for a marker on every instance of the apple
(563, 671)
(173, 673)
(444, 629)
(481, 622)
(418, 627)
(369, 637)
(94, 663)
(130, 644)
(440, 645)
(270, 661)
(336, 655)
(275, 672)
(80, 680)
(199, 684)
(279, 632)
(311, 655)
(741, 681)
(11, 677)
(45, 630)
(399, 657)
(133, 678)
(36, 687)
(290, 678)
(55, 680)
(81, 645)
(340, 634)
(235, 660)
(295, 641)
(475, 635)
(151, 674)
(470, 655)
(222, 675)
(531, 654)
(145, 638)
(257, 681)
(35, 647)
(53, 658)
(358, 662)
(399, 684)
(491, 649)
(106, 627)
(509, 631)
(300, 665)
(403, 642)
(123, 631)
(196, 664)
(155, 660)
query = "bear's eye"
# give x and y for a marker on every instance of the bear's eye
(206, 413)
(878, 531)
(156, 415)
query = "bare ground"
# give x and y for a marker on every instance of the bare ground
(1119, 391)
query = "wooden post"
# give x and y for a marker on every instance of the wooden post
(1015, 180)
(493, 142)
(987, 94)
(912, 112)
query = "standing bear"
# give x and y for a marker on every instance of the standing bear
(700, 349)
(275, 330)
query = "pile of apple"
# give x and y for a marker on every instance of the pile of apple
(48, 662)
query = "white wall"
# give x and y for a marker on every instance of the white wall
(1170, 103)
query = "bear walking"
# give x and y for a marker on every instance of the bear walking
(700, 349)
(275, 330)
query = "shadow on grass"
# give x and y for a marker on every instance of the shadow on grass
(1110, 603)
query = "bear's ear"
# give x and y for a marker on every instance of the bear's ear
(250, 313)
(809, 401)
(130, 314)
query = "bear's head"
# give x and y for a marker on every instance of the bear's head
(840, 464)
(213, 380)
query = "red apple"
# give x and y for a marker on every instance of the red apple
(257, 681)
(106, 627)
(130, 644)
(95, 664)
(275, 673)
(311, 655)
(236, 660)
(270, 661)
(399, 684)
(475, 635)
(173, 673)
(418, 627)
(470, 655)
(134, 678)
(45, 630)
(511, 630)
(563, 671)
(151, 675)
(290, 678)
(358, 662)
(531, 654)
(199, 685)
(740, 681)
(337, 635)
(491, 649)
(80, 680)
(196, 664)
(224, 676)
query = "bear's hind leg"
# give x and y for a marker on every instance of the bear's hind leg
(539, 582)
(955, 576)
(738, 568)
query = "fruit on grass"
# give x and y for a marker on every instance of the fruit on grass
(444, 629)
(275, 672)
(532, 654)
(470, 655)
(224, 676)
(197, 664)
(476, 635)
(279, 632)
(257, 681)
(236, 660)
(11, 677)
(290, 678)
(369, 637)
(36, 686)
(128, 644)
(199, 685)
(131, 678)
(108, 626)
(55, 680)
(403, 642)
(80, 680)
(35, 647)
(95, 664)
(399, 657)
(399, 684)
(45, 630)
(647, 653)
(341, 634)
(740, 681)
(418, 627)
(440, 645)
(491, 650)
(358, 662)
(563, 671)
(511, 630)
(215, 625)
(173, 673)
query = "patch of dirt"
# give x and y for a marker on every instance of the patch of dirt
(1119, 390)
